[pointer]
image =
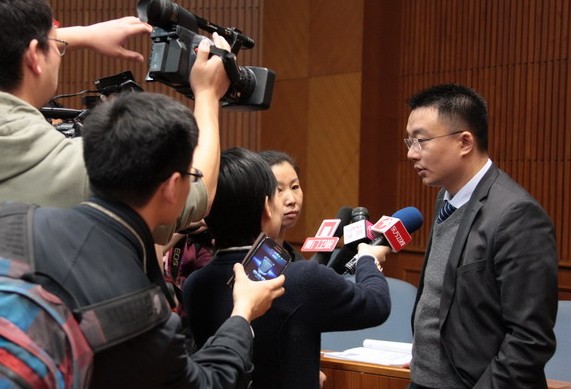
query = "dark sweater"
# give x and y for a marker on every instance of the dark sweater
(287, 339)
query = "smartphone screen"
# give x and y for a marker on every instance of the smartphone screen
(267, 261)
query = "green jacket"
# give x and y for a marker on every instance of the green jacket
(40, 165)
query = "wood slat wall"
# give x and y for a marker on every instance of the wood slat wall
(81, 68)
(516, 54)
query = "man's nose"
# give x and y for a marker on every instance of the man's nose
(412, 153)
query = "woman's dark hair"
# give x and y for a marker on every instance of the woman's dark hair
(273, 157)
(244, 182)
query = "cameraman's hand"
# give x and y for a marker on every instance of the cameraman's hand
(107, 38)
(208, 75)
(253, 298)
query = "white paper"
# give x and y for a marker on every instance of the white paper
(379, 352)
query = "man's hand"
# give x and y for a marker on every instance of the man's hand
(107, 38)
(253, 298)
(208, 75)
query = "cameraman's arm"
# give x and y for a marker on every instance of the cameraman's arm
(108, 37)
(209, 83)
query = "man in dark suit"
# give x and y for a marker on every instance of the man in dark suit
(487, 298)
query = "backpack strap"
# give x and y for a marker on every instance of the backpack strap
(150, 267)
(16, 232)
(111, 322)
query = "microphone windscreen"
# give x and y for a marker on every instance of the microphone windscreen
(344, 214)
(410, 217)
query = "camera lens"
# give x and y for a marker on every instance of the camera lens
(165, 14)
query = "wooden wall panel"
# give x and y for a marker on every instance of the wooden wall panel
(287, 39)
(333, 146)
(316, 51)
(285, 128)
(336, 36)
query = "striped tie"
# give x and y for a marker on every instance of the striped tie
(446, 210)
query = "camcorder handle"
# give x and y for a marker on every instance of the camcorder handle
(233, 36)
(166, 14)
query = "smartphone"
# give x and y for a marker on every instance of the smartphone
(265, 260)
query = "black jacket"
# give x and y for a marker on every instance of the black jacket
(287, 340)
(97, 257)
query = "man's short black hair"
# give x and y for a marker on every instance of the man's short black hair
(460, 104)
(135, 141)
(21, 21)
(244, 182)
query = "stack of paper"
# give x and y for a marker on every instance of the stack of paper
(377, 351)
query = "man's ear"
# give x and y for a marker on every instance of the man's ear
(169, 187)
(267, 214)
(468, 141)
(34, 57)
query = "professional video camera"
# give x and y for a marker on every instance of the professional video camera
(69, 121)
(174, 41)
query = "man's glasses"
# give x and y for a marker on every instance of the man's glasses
(61, 45)
(195, 174)
(417, 143)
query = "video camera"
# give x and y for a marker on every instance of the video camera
(175, 40)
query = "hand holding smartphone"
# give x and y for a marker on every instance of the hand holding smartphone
(265, 260)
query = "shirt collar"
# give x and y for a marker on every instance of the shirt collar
(465, 193)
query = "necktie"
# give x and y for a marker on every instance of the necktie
(446, 210)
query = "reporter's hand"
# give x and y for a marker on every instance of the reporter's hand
(253, 298)
(378, 252)
(107, 38)
(208, 74)
(322, 379)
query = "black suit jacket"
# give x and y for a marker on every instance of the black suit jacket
(499, 296)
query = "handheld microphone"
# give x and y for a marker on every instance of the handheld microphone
(360, 229)
(353, 234)
(395, 232)
(344, 215)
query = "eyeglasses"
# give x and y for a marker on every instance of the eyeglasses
(195, 174)
(61, 45)
(417, 143)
